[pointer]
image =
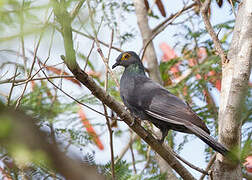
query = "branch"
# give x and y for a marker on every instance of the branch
(208, 166)
(217, 44)
(190, 165)
(76, 9)
(125, 149)
(172, 16)
(93, 38)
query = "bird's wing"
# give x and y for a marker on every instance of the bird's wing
(161, 104)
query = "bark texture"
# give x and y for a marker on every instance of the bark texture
(235, 77)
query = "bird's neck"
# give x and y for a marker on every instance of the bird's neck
(136, 68)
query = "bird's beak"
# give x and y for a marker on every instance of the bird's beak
(116, 64)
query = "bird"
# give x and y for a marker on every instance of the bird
(148, 100)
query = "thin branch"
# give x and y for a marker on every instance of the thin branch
(132, 154)
(12, 86)
(147, 160)
(190, 165)
(74, 98)
(87, 59)
(246, 116)
(106, 112)
(76, 9)
(232, 4)
(31, 69)
(22, 81)
(126, 148)
(163, 25)
(208, 166)
(171, 17)
(105, 60)
(209, 28)
(22, 37)
(93, 38)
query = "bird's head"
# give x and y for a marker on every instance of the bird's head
(127, 58)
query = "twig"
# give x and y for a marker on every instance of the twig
(34, 79)
(232, 4)
(147, 160)
(106, 61)
(189, 164)
(208, 166)
(87, 59)
(12, 86)
(171, 17)
(76, 9)
(106, 112)
(10, 80)
(132, 153)
(125, 149)
(74, 98)
(101, 53)
(29, 75)
(246, 116)
(22, 37)
(93, 38)
(163, 25)
(209, 28)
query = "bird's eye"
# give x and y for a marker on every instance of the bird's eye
(126, 56)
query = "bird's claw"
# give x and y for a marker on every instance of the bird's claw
(133, 122)
(135, 118)
(161, 141)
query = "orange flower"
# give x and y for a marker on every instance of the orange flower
(90, 129)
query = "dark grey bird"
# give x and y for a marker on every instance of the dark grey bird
(148, 100)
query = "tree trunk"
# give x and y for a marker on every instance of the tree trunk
(235, 77)
(150, 55)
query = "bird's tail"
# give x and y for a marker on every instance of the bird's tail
(204, 136)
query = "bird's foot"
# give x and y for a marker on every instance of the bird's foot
(161, 141)
(135, 118)
(133, 122)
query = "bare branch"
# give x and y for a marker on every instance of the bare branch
(209, 28)
(171, 17)
(76, 9)
(30, 73)
(93, 38)
(190, 165)
(12, 86)
(126, 148)
(209, 166)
